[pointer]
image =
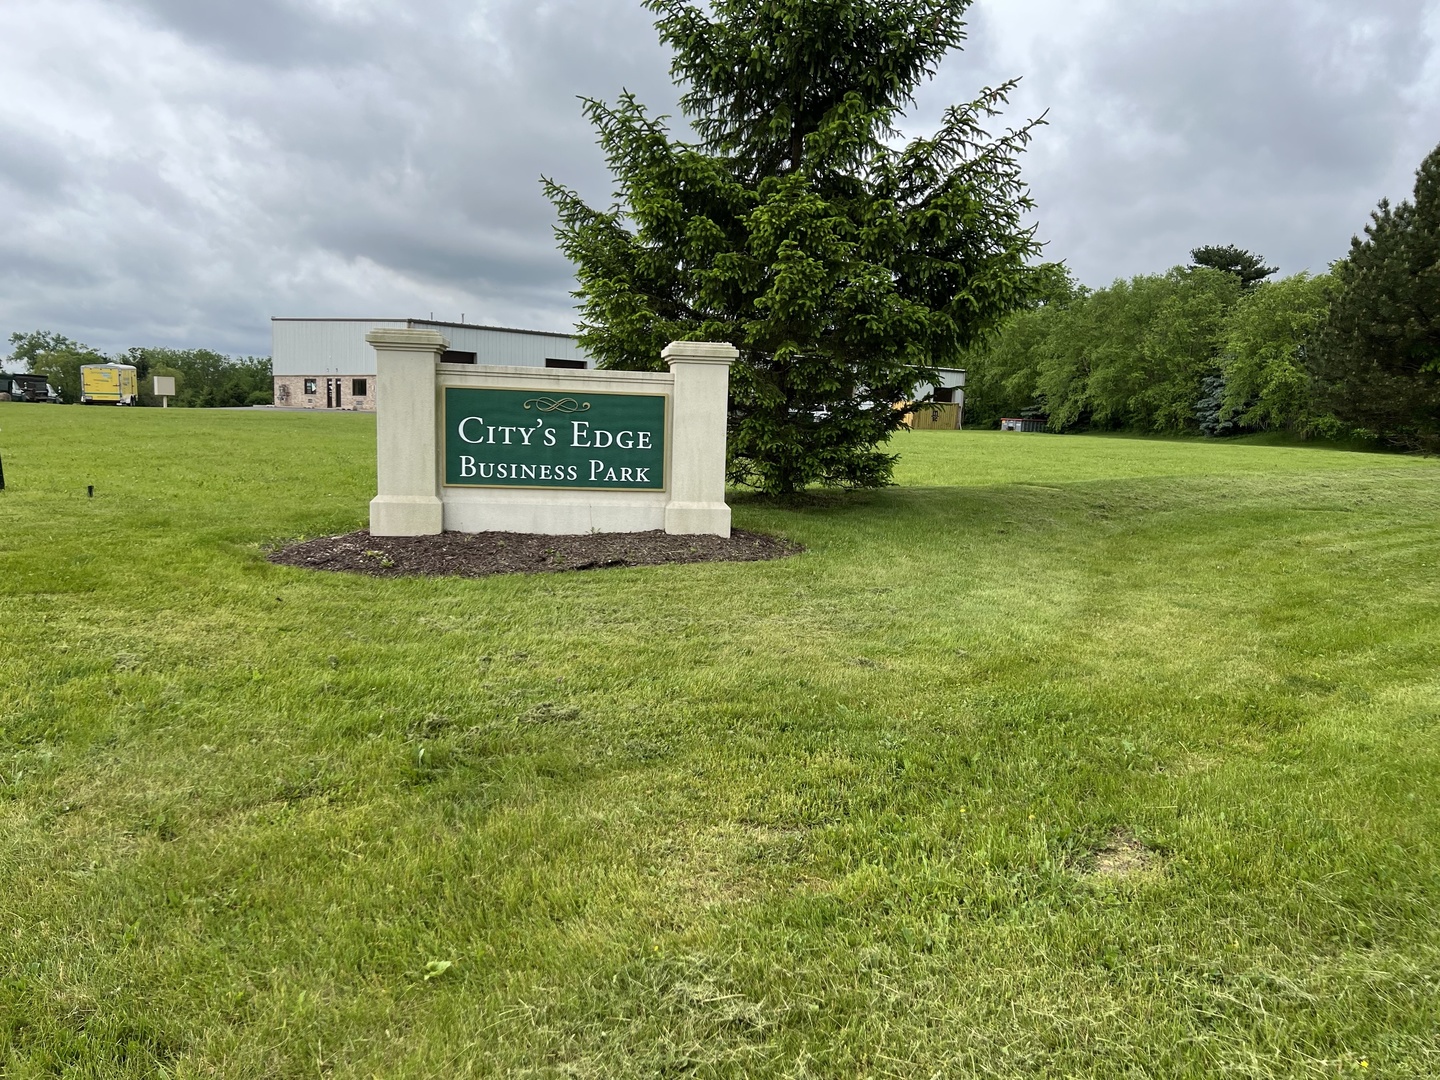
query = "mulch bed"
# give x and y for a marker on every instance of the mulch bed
(482, 554)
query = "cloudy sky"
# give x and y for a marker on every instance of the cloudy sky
(177, 171)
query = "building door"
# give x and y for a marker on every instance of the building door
(332, 393)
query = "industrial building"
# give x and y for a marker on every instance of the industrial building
(328, 364)
(948, 410)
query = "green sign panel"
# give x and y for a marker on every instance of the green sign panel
(528, 439)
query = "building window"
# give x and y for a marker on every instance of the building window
(551, 362)
(357, 387)
(309, 386)
(454, 356)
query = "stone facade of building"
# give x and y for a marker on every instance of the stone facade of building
(355, 393)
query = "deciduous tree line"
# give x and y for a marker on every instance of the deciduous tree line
(1213, 348)
(203, 378)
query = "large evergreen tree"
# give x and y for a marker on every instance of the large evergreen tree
(1378, 364)
(1245, 265)
(845, 268)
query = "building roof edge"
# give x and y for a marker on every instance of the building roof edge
(426, 322)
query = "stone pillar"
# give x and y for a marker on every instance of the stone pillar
(407, 502)
(700, 408)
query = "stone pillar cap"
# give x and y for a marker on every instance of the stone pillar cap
(395, 337)
(703, 352)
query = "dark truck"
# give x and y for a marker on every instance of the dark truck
(28, 388)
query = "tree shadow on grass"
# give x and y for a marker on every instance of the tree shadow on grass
(946, 508)
(812, 499)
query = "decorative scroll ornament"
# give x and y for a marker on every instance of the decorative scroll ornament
(565, 405)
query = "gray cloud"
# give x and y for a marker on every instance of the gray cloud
(175, 173)
(279, 33)
(1274, 126)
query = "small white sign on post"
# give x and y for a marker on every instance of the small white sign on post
(164, 389)
(473, 448)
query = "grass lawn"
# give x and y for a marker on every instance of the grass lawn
(1067, 757)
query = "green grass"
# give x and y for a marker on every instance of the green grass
(829, 816)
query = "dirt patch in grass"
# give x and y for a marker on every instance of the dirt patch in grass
(483, 554)
(1124, 856)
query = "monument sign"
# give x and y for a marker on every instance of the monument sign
(472, 449)
(516, 438)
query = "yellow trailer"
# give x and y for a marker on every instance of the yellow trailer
(110, 384)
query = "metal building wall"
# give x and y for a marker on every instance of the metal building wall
(338, 347)
(323, 346)
(508, 348)
(950, 378)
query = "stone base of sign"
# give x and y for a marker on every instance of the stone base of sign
(406, 515)
(538, 512)
(413, 500)
(704, 519)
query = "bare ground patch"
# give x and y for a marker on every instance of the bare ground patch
(1123, 856)
(487, 553)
